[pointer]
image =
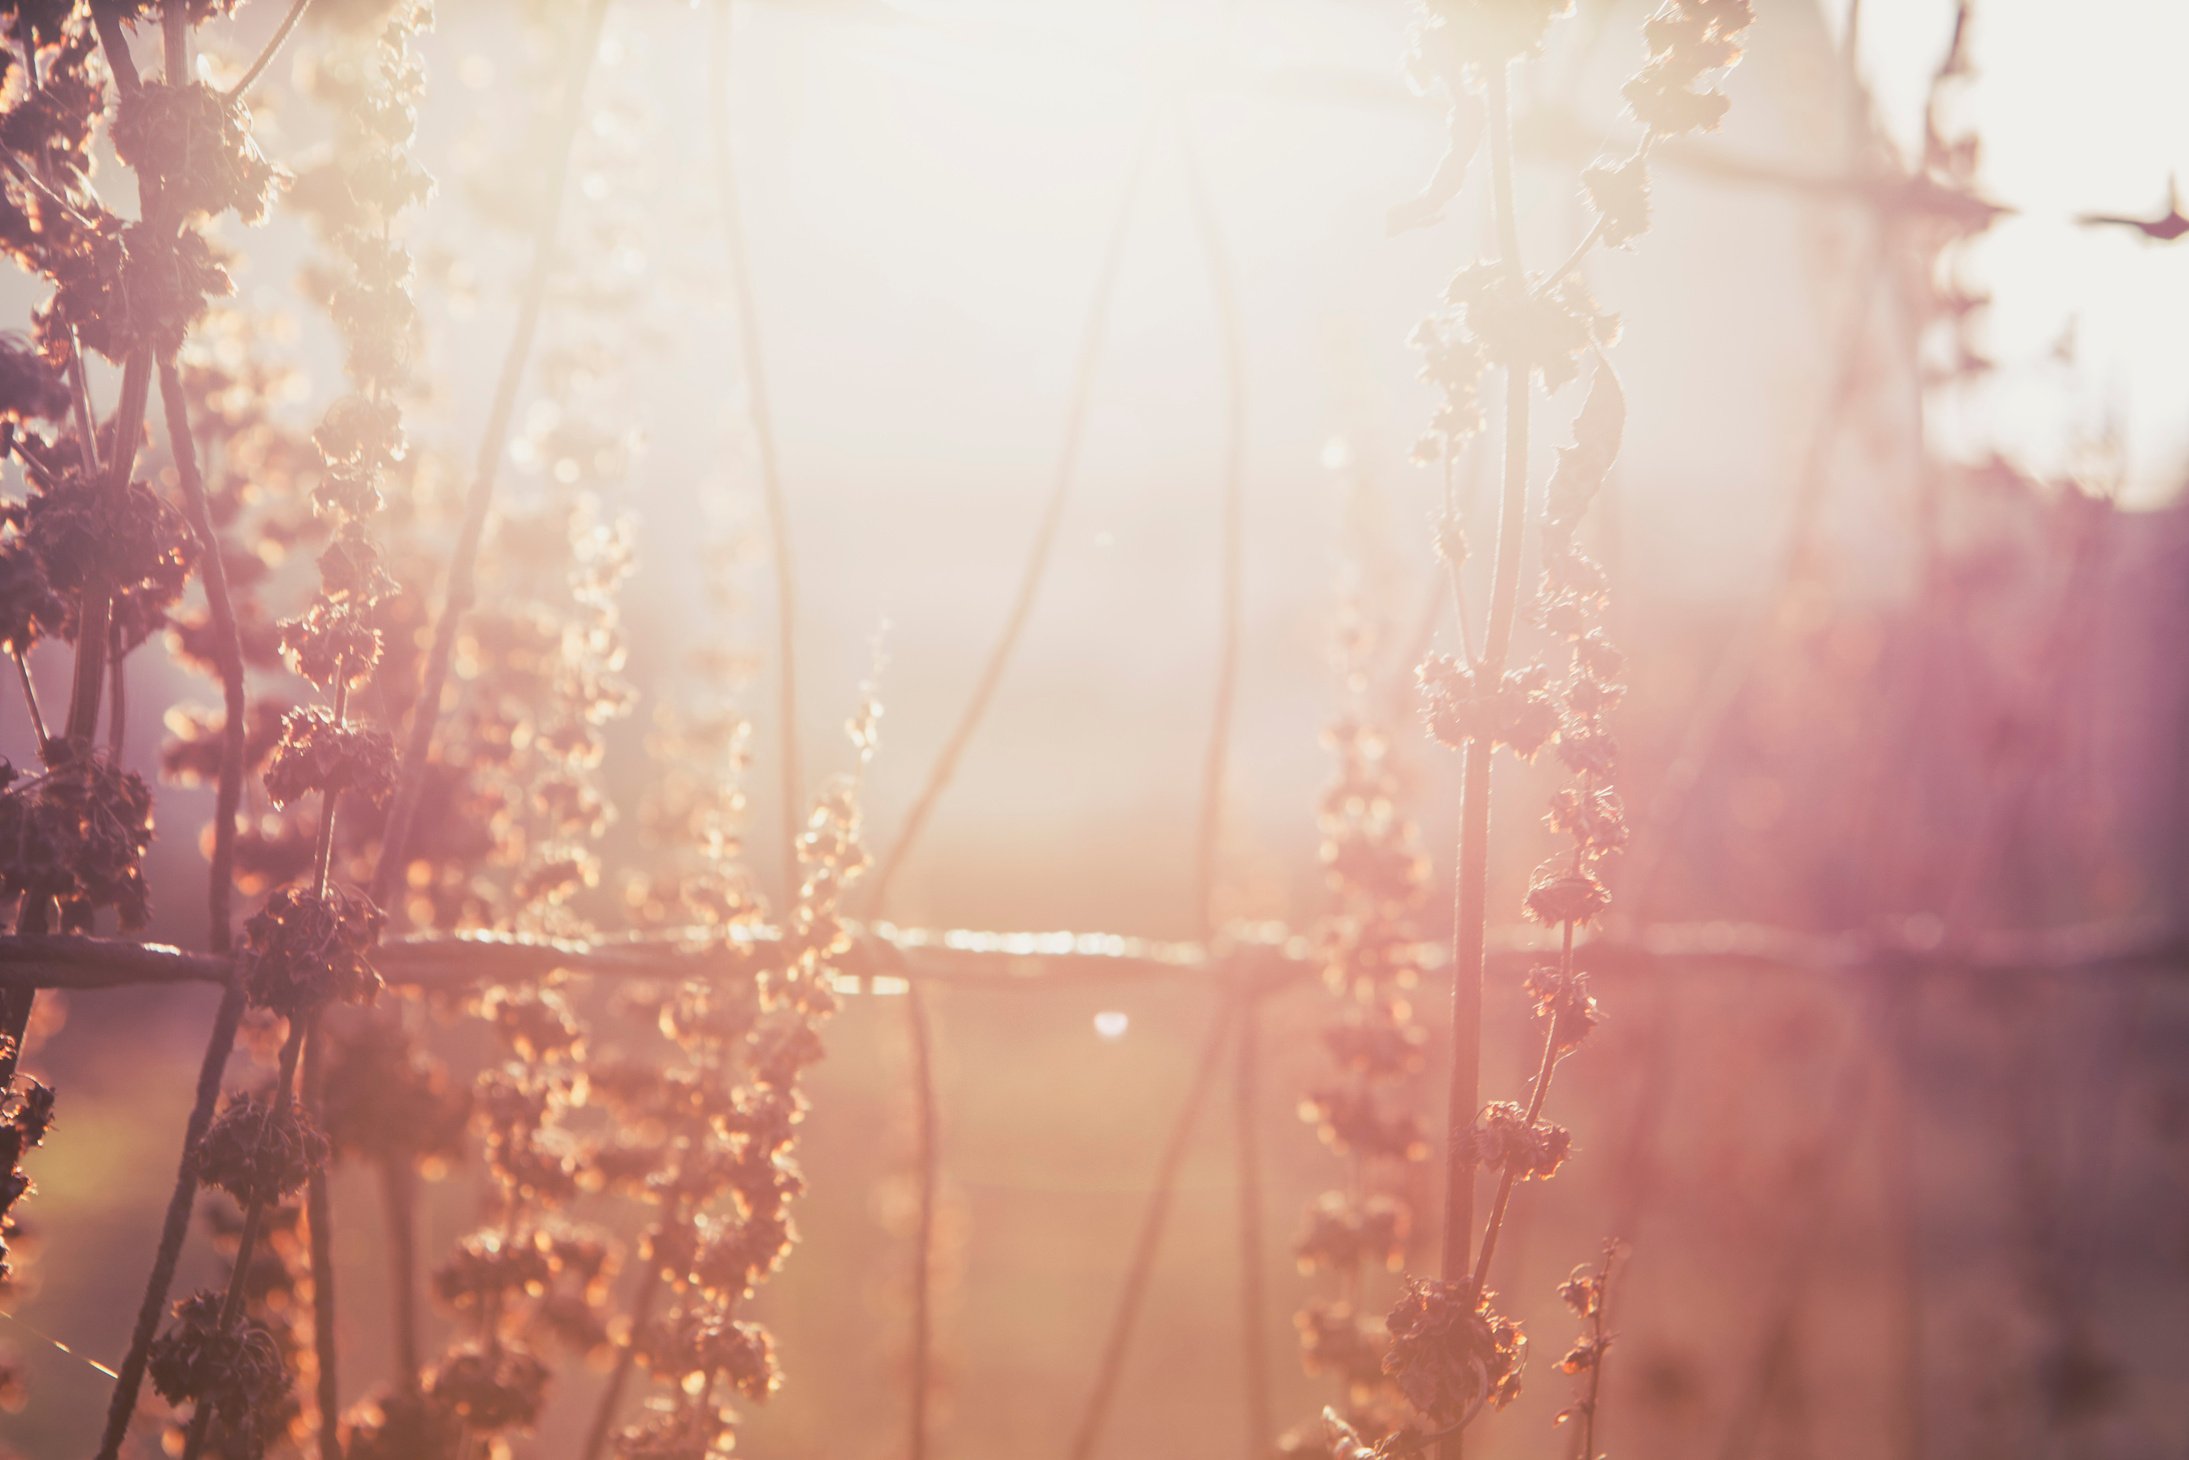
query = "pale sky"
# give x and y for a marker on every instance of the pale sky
(2083, 108)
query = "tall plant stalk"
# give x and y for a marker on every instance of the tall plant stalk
(1470, 919)
(228, 800)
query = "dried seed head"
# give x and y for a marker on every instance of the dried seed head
(1503, 1140)
(193, 145)
(305, 949)
(319, 754)
(1450, 1352)
(259, 1151)
(237, 1371)
(490, 1388)
(1560, 894)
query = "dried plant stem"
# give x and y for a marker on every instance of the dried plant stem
(461, 586)
(1253, 1299)
(175, 1227)
(619, 1376)
(271, 49)
(1506, 1181)
(96, 605)
(1470, 925)
(1600, 1332)
(1224, 291)
(30, 699)
(946, 762)
(1140, 1267)
(1589, 240)
(228, 646)
(220, 885)
(175, 27)
(1246, 1105)
(254, 1223)
(303, 1026)
(1037, 559)
(54, 200)
(399, 1194)
(319, 1217)
(927, 1164)
(114, 42)
(117, 693)
(773, 501)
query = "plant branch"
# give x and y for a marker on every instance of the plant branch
(1140, 1267)
(271, 49)
(319, 1217)
(461, 586)
(927, 1162)
(976, 709)
(1506, 1179)
(96, 603)
(611, 1396)
(220, 883)
(773, 502)
(254, 1223)
(1037, 560)
(1246, 1106)
(1470, 920)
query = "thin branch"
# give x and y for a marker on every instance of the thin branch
(1253, 1297)
(228, 653)
(254, 1226)
(129, 1377)
(619, 1376)
(228, 799)
(114, 42)
(38, 185)
(1140, 1267)
(399, 1194)
(96, 603)
(175, 30)
(1589, 240)
(1037, 559)
(319, 1218)
(1471, 896)
(1246, 1105)
(271, 50)
(976, 709)
(461, 586)
(1536, 1095)
(1231, 338)
(30, 701)
(773, 502)
(927, 1162)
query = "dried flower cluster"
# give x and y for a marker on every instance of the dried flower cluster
(721, 1170)
(1364, 1112)
(26, 1115)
